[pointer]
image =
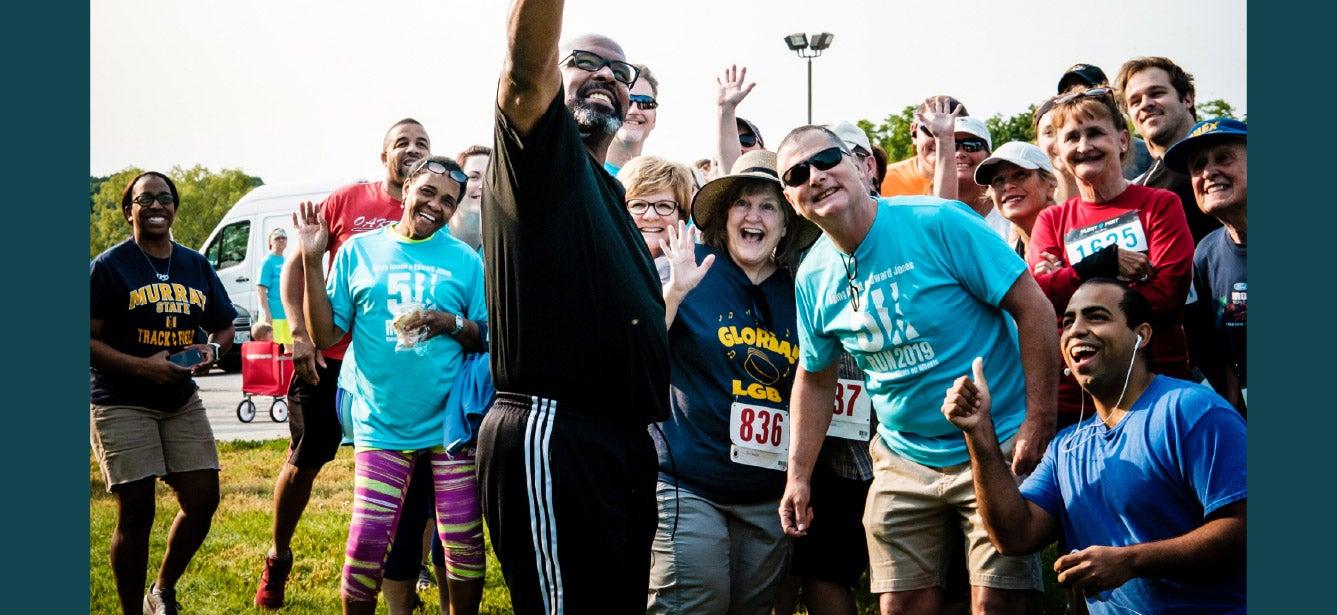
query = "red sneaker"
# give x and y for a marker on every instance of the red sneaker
(269, 595)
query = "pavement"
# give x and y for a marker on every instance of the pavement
(221, 393)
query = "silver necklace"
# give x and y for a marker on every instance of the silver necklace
(161, 276)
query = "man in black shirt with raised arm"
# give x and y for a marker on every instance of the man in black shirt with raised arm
(579, 349)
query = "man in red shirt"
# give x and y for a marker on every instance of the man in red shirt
(313, 420)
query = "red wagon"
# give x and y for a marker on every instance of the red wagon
(265, 370)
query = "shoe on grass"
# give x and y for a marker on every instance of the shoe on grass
(161, 601)
(269, 594)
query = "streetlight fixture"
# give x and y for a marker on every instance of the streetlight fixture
(799, 43)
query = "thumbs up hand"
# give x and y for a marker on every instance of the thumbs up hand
(967, 403)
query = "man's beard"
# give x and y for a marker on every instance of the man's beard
(592, 120)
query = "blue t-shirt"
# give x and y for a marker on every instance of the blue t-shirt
(730, 341)
(1176, 457)
(1221, 279)
(270, 271)
(931, 274)
(398, 397)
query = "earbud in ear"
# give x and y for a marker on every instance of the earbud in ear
(1067, 372)
(1139, 342)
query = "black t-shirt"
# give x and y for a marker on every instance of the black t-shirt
(576, 307)
(142, 315)
(1161, 176)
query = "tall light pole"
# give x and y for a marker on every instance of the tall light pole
(799, 43)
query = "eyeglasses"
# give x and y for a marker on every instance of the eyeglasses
(823, 161)
(972, 145)
(1091, 93)
(593, 62)
(440, 168)
(640, 206)
(163, 198)
(747, 139)
(644, 101)
(852, 278)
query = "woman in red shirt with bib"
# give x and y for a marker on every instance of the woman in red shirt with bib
(1111, 229)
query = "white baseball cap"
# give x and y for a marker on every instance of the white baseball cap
(976, 127)
(1020, 153)
(853, 136)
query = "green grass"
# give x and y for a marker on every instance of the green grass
(223, 574)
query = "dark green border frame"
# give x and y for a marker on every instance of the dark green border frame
(45, 306)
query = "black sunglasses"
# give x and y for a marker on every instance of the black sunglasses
(972, 145)
(644, 101)
(146, 199)
(824, 160)
(593, 62)
(747, 139)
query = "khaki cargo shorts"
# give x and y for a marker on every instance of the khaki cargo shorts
(906, 519)
(133, 442)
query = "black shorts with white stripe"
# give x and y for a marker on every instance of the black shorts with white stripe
(569, 502)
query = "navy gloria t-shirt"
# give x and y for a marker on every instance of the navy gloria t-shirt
(731, 341)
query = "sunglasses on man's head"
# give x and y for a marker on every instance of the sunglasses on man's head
(644, 101)
(824, 160)
(1091, 93)
(747, 139)
(593, 62)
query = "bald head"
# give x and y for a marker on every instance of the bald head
(597, 43)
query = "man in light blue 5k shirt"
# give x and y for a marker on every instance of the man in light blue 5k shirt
(914, 289)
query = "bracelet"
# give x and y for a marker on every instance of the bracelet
(459, 326)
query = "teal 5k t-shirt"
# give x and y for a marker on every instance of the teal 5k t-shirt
(398, 396)
(930, 275)
(270, 271)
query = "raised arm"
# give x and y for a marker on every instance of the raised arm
(313, 235)
(292, 284)
(733, 89)
(684, 272)
(1015, 525)
(941, 124)
(529, 76)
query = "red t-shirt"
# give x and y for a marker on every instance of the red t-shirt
(353, 209)
(1074, 229)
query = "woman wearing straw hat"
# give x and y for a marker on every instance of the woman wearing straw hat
(733, 342)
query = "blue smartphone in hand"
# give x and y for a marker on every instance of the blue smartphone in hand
(189, 357)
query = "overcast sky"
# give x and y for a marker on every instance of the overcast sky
(293, 90)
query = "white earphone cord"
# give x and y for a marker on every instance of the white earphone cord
(1091, 428)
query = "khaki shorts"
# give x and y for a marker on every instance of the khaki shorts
(132, 442)
(906, 519)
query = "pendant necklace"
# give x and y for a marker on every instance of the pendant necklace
(161, 276)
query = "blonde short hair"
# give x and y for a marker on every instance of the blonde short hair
(644, 175)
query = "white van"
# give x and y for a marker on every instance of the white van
(238, 245)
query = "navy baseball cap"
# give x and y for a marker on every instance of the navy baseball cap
(1085, 74)
(1204, 133)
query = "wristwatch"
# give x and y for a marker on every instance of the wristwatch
(459, 326)
(216, 348)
